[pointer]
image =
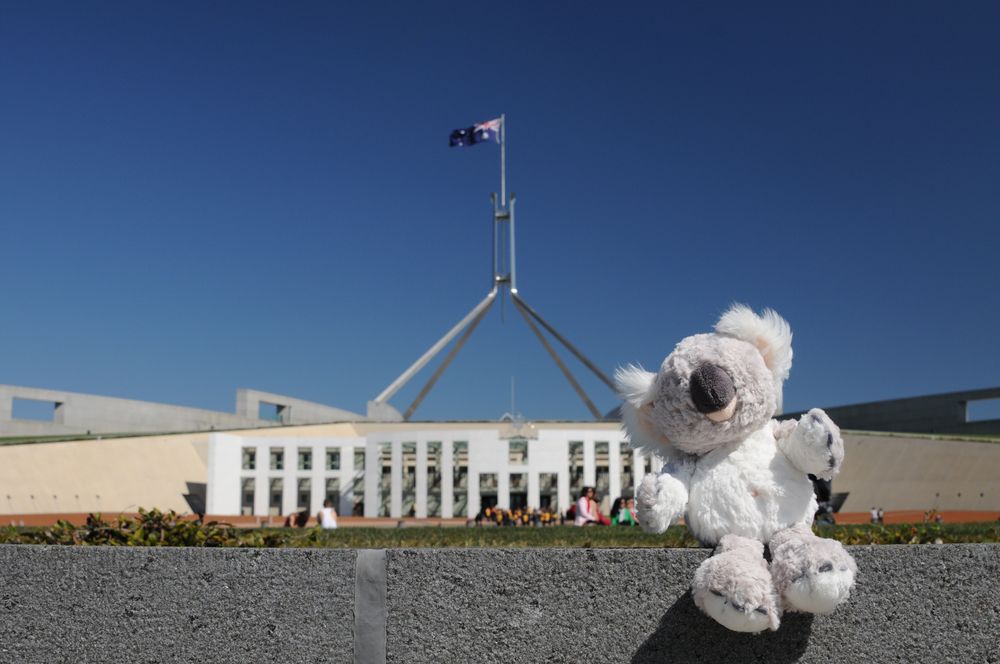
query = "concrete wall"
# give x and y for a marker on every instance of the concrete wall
(935, 413)
(76, 413)
(912, 604)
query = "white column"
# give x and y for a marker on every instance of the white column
(565, 500)
(473, 501)
(421, 484)
(447, 479)
(638, 466)
(261, 486)
(533, 493)
(589, 467)
(318, 480)
(396, 495)
(614, 471)
(503, 488)
(373, 474)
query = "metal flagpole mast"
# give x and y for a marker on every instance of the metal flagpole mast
(503, 160)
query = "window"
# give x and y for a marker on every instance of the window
(359, 459)
(409, 507)
(460, 478)
(277, 458)
(488, 489)
(385, 478)
(333, 492)
(304, 493)
(34, 409)
(305, 458)
(517, 451)
(575, 467)
(246, 496)
(548, 490)
(277, 489)
(249, 458)
(332, 459)
(434, 479)
(518, 490)
(982, 409)
(625, 464)
(602, 476)
(271, 412)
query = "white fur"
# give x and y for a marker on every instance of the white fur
(769, 332)
(820, 593)
(749, 489)
(661, 499)
(637, 388)
(806, 444)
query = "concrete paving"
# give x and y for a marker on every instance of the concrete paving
(80, 604)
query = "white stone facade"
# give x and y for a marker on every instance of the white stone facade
(422, 472)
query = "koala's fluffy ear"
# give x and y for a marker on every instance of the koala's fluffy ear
(637, 388)
(769, 332)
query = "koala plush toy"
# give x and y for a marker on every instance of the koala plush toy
(738, 477)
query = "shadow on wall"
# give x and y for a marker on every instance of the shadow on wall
(684, 625)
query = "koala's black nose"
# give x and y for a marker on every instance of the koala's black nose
(711, 388)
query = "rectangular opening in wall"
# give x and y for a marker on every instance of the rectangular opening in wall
(409, 479)
(332, 459)
(625, 464)
(487, 490)
(385, 478)
(602, 475)
(305, 458)
(575, 467)
(433, 479)
(359, 460)
(34, 409)
(517, 454)
(246, 496)
(358, 496)
(548, 491)
(276, 489)
(460, 478)
(333, 492)
(249, 458)
(518, 491)
(269, 411)
(982, 410)
(277, 458)
(304, 494)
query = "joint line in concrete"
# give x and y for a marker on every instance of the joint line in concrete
(369, 607)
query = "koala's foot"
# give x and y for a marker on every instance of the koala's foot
(735, 589)
(811, 574)
(813, 444)
(659, 500)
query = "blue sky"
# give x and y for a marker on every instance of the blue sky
(196, 197)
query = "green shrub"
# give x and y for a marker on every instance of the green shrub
(156, 528)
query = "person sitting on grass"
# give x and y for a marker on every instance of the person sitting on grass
(586, 508)
(327, 517)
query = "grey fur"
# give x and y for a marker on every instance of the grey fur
(741, 481)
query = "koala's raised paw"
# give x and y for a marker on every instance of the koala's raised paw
(812, 574)
(734, 588)
(814, 445)
(659, 500)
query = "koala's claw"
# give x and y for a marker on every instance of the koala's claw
(814, 445)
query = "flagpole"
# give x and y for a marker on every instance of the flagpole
(503, 160)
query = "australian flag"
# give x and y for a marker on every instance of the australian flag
(477, 133)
